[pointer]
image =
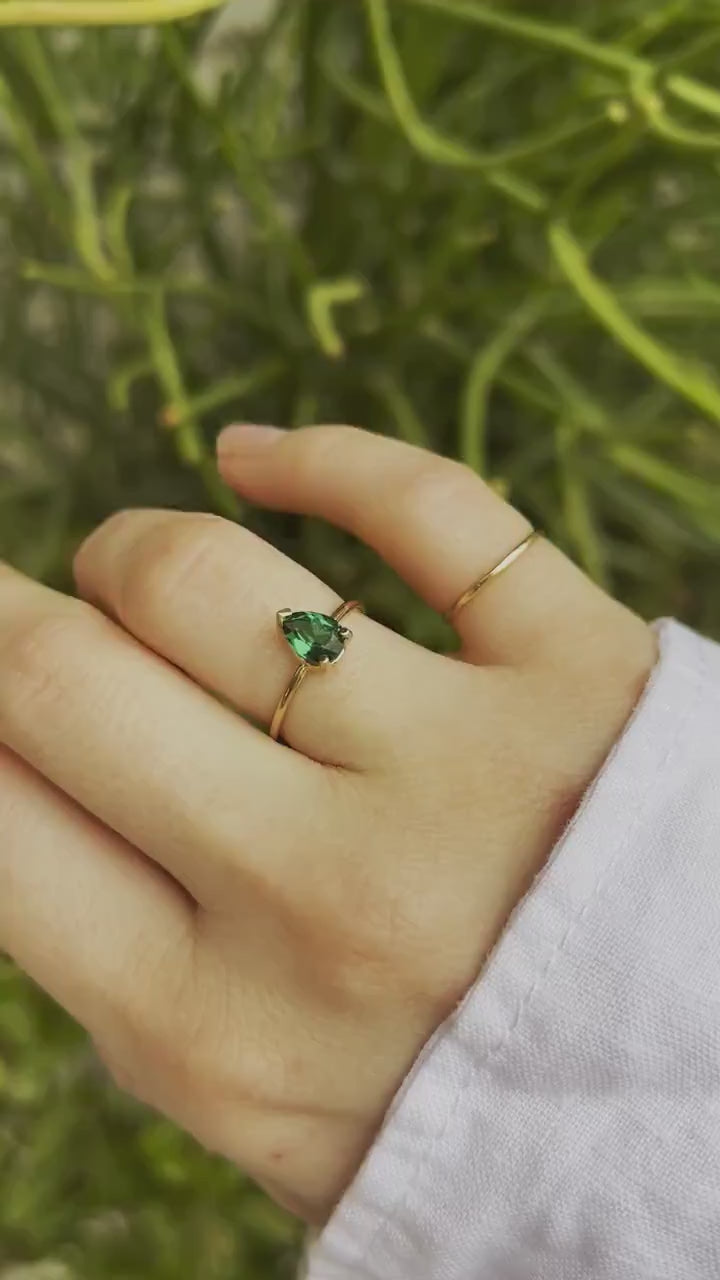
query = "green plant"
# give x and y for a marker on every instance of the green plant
(487, 231)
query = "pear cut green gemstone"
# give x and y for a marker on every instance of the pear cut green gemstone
(314, 637)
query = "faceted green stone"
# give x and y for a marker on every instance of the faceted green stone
(314, 637)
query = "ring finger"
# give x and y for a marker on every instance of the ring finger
(204, 593)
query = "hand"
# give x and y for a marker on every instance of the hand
(260, 939)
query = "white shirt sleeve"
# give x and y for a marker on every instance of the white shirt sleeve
(564, 1122)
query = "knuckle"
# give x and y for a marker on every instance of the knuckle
(320, 447)
(435, 486)
(159, 1019)
(41, 658)
(169, 560)
(359, 935)
(384, 933)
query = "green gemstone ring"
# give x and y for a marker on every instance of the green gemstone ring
(319, 641)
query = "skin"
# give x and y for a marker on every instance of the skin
(261, 937)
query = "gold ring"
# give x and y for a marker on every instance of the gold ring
(318, 640)
(495, 572)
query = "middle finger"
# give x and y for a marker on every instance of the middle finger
(141, 747)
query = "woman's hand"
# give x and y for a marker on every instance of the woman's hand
(261, 939)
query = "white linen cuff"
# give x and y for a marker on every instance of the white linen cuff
(517, 1147)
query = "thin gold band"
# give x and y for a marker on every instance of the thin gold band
(495, 572)
(283, 705)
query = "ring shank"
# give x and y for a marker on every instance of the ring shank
(510, 558)
(283, 705)
(350, 606)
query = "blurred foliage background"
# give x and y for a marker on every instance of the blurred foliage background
(491, 231)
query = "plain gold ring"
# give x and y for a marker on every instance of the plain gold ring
(495, 572)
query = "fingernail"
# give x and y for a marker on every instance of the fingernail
(246, 437)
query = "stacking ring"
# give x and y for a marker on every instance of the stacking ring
(319, 641)
(495, 572)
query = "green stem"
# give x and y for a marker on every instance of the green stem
(648, 97)
(402, 410)
(694, 94)
(547, 34)
(121, 381)
(27, 148)
(568, 40)
(224, 392)
(240, 160)
(579, 405)
(117, 208)
(186, 432)
(190, 444)
(689, 380)
(652, 24)
(374, 105)
(224, 501)
(87, 228)
(320, 302)
(690, 492)
(578, 513)
(483, 372)
(250, 308)
(95, 13)
(426, 140)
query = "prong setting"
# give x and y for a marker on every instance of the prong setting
(318, 641)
